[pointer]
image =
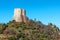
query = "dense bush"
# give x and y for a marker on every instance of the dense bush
(30, 30)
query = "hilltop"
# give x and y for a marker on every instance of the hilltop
(31, 30)
(22, 28)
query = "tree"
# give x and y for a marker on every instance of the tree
(50, 24)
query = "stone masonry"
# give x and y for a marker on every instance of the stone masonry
(19, 15)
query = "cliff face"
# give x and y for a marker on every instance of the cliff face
(20, 15)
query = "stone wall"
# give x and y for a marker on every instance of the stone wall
(19, 15)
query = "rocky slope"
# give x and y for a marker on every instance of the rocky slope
(31, 30)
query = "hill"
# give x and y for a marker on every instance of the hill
(31, 30)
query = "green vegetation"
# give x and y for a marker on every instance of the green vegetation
(31, 30)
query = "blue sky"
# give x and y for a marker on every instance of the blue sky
(47, 11)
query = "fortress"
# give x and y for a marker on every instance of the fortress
(19, 15)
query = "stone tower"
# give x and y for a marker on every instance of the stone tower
(20, 15)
